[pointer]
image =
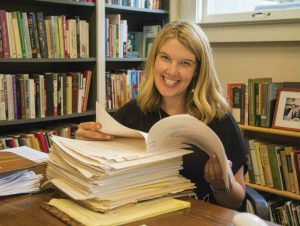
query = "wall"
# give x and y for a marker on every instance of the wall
(236, 62)
(248, 50)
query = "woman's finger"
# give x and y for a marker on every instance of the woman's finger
(93, 134)
(90, 125)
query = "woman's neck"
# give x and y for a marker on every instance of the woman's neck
(174, 107)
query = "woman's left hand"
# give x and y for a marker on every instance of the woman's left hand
(213, 172)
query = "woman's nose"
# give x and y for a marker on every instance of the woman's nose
(173, 68)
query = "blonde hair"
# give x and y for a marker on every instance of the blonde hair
(207, 101)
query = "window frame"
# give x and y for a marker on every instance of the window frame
(248, 17)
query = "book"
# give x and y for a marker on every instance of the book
(149, 34)
(42, 34)
(253, 99)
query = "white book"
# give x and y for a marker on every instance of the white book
(2, 98)
(31, 98)
(12, 47)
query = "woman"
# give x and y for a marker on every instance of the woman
(180, 77)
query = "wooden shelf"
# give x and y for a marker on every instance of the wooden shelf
(47, 119)
(129, 59)
(47, 60)
(68, 2)
(285, 194)
(270, 131)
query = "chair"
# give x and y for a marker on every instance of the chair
(258, 202)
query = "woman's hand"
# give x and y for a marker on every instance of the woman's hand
(213, 173)
(90, 131)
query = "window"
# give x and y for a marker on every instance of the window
(216, 11)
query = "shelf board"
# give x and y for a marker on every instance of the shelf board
(134, 9)
(129, 59)
(47, 60)
(46, 119)
(270, 131)
(286, 194)
(69, 2)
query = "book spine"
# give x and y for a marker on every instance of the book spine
(2, 98)
(31, 30)
(26, 35)
(14, 86)
(4, 34)
(16, 35)
(21, 33)
(12, 47)
(42, 35)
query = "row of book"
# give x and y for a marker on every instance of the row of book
(273, 165)
(285, 212)
(39, 140)
(145, 4)
(29, 96)
(254, 103)
(121, 87)
(33, 35)
(121, 43)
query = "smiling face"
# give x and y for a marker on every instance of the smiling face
(174, 68)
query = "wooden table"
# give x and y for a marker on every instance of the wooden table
(24, 210)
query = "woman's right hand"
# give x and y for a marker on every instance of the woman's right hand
(90, 131)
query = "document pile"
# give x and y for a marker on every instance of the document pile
(134, 166)
(16, 174)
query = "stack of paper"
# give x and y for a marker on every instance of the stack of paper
(15, 178)
(107, 174)
(132, 167)
(29, 153)
(19, 182)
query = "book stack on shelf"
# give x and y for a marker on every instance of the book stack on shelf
(33, 35)
(254, 103)
(143, 4)
(38, 139)
(121, 87)
(29, 96)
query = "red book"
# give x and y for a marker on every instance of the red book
(65, 29)
(4, 34)
(41, 138)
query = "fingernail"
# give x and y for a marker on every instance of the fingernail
(98, 126)
(109, 137)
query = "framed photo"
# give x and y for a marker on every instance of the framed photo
(287, 110)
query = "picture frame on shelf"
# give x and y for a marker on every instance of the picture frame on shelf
(287, 110)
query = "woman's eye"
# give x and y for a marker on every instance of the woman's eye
(164, 57)
(186, 63)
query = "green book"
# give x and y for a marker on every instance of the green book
(274, 165)
(23, 48)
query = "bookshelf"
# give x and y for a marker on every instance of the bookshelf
(136, 18)
(86, 11)
(276, 136)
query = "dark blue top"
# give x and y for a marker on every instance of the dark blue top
(193, 164)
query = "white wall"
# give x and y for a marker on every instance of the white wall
(236, 62)
(243, 51)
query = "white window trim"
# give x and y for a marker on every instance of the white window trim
(254, 17)
(245, 31)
